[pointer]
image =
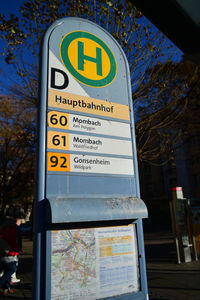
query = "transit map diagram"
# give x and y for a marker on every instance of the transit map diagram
(93, 263)
(73, 264)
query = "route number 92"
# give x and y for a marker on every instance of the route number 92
(59, 162)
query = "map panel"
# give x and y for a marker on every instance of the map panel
(94, 263)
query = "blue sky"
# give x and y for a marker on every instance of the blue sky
(7, 7)
(7, 79)
(10, 6)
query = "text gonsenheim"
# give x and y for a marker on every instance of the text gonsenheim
(91, 161)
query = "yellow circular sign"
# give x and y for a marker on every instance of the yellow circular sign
(90, 69)
(88, 58)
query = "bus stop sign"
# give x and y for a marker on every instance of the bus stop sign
(90, 142)
(87, 177)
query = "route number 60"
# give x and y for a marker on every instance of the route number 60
(58, 120)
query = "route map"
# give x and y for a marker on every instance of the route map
(73, 264)
(94, 263)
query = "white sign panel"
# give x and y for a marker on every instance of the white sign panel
(103, 165)
(100, 126)
(85, 143)
(65, 162)
(88, 124)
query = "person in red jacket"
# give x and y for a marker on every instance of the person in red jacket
(10, 234)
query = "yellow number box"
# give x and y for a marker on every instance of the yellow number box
(58, 119)
(58, 140)
(59, 162)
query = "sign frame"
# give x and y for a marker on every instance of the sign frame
(42, 225)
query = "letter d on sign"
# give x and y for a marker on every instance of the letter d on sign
(61, 83)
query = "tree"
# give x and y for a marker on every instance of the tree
(177, 145)
(17, 144)
(190, 121)
(168, 112)
(142, 42)
(147, 50)
(161, 101)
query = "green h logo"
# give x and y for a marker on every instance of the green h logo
(82, 57)
(88, 59)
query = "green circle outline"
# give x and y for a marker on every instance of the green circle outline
(66, 41)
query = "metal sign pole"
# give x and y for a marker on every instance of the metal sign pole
(40, 195)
